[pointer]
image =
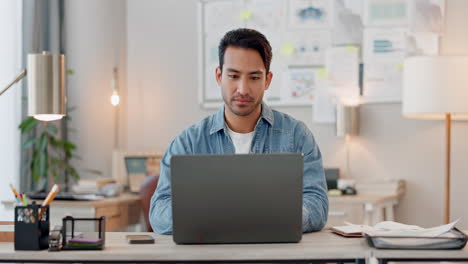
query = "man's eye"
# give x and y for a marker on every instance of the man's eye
(232, 76)
(255, 78)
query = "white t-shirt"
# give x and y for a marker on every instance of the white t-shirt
(241, 141)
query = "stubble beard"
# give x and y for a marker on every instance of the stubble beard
(241, 111)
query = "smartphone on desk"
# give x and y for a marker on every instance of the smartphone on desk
(140, 239)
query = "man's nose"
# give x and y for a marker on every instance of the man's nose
(243, 87)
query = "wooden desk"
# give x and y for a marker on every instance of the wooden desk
(321, 246)
(121, 212)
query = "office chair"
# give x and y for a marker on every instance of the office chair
(147, 188)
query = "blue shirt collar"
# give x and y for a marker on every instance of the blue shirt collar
(219, 122)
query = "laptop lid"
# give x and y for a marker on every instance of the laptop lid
(251, 198)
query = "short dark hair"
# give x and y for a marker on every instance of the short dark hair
(248, 39)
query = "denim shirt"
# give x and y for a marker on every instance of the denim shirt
(274, 132)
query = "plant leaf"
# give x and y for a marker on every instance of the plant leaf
(51, 129)
(53, 168)
(73, 173)
(43, 142)
(28, 124)
(43, 164)
(29, 142)
(35, 167)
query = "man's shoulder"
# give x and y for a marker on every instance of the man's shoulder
(201, 127)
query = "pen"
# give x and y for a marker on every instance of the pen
(17, 196)
(25, 199)
(50, 196)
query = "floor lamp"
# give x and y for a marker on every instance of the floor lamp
(436, 87)
(46, 86)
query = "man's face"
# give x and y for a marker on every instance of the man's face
(243, 80)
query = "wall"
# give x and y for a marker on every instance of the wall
(455, 42)
(162, 100)
(95, 43)
(10, 108)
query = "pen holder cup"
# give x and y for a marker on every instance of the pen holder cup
(32, 227)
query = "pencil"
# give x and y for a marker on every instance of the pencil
(50, 197)
(53, 192)
(16, 193)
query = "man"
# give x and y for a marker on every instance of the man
(246, 125)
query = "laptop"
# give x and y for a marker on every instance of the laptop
(249, 198)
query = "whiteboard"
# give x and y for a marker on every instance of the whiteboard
(301, 32)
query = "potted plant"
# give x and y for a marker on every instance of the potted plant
(50, 155)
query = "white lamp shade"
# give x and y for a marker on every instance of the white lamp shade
(434, 86)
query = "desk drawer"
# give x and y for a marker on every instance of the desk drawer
(113, 224)
(108, 211)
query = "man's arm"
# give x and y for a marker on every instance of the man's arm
(315, 199)
(160, 214)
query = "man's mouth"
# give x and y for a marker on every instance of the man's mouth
(243, 100)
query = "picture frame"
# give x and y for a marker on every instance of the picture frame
(130, 168)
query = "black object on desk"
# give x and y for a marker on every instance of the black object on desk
(65, 196)
(83, 233)
(140, 239)
(331, 176)
(31, 233)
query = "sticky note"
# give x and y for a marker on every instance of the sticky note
(400, 67)
(322, 74)
(287, 49)
(351, 49)
(246, 15)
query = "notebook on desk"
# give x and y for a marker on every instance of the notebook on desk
(254, 198)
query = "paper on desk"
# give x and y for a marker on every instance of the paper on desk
(348, 229)
(389, 228)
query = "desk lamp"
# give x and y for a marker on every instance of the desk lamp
(436, 87)
(46, 86)
(347, 125)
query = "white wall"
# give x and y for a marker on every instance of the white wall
(162, 100)
(95, 43)
(10, 101)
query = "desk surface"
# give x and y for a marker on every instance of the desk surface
(123, 198)
(363, 198)
(314, 246)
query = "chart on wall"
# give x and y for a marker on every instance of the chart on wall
(319, 45)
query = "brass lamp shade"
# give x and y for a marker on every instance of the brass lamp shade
(46, 86)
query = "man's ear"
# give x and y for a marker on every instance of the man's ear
(269, 76)
(218, 74)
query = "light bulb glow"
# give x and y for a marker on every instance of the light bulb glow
(46, 118)
(115, 99)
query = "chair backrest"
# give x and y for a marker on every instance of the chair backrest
(148, 186)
